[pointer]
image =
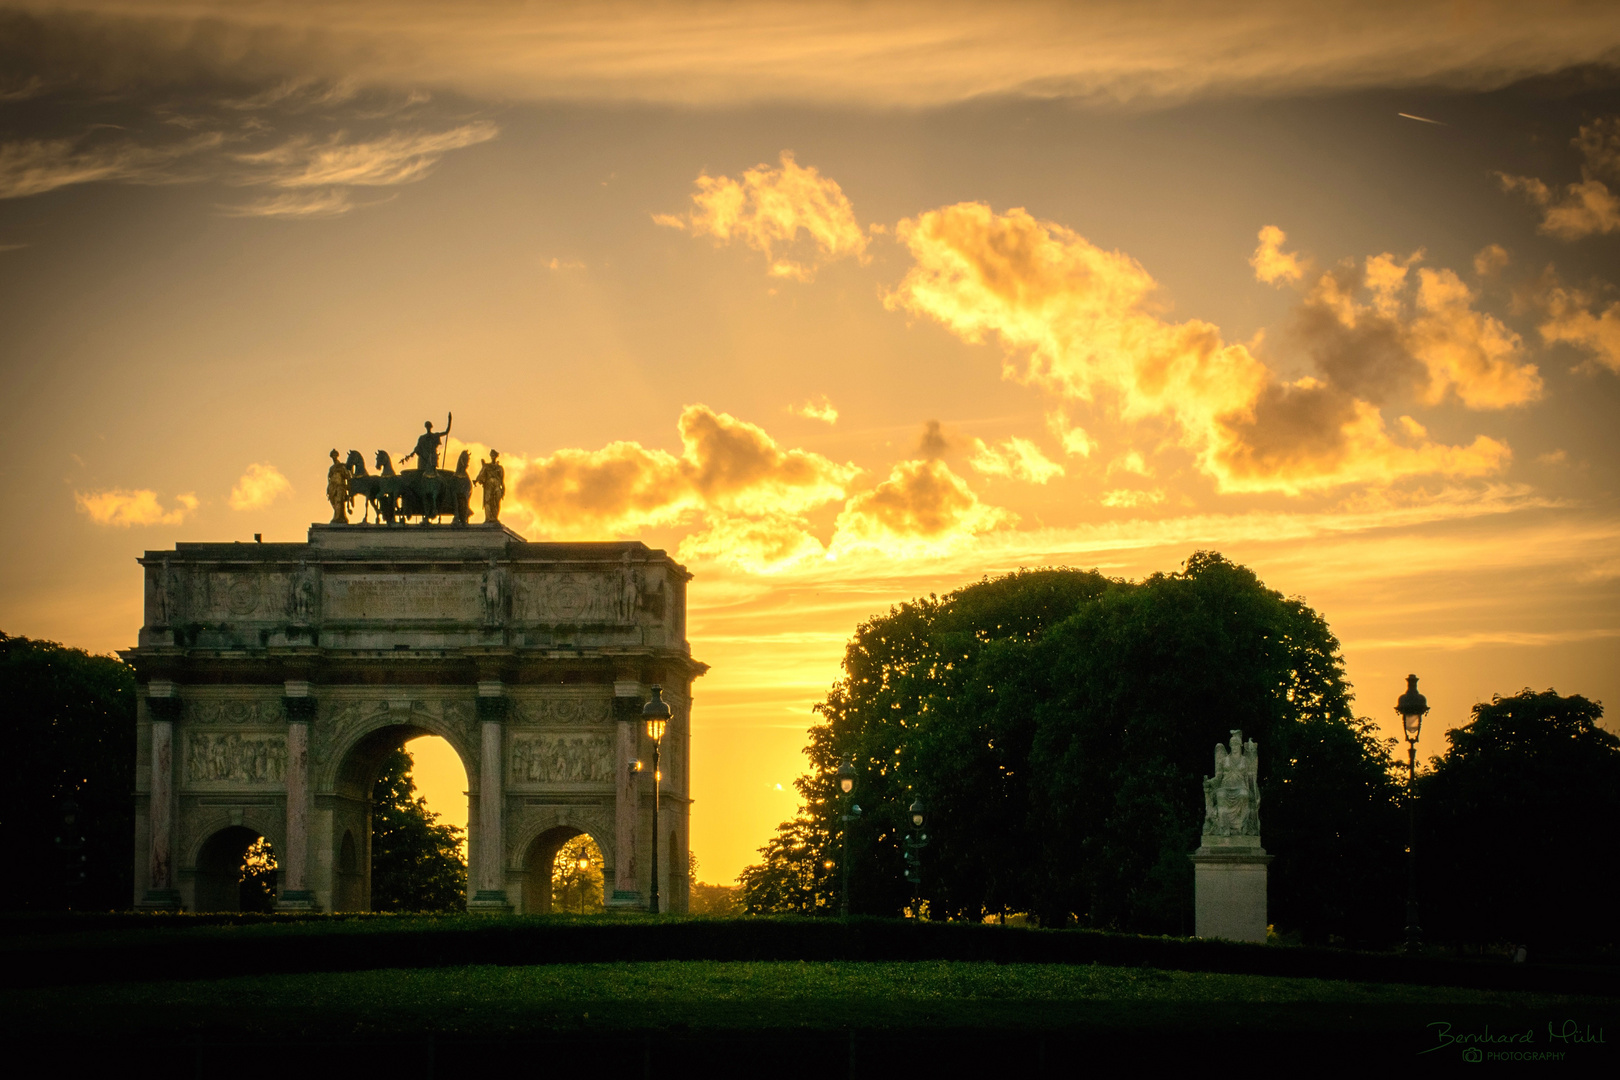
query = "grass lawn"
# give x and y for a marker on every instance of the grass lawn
(716, 996)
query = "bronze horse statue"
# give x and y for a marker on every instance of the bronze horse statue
(413, 493)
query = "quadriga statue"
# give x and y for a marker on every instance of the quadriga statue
(1232, 795)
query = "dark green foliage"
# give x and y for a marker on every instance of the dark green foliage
(1517, 825)
(69, 719)
(1059, 723)
(416, 864)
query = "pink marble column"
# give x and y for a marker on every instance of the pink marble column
(490, 873)
(295, 891)
(627, 783)
(162, 710)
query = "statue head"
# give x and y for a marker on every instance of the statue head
(334, 455)
(494, 455)
(1237, 740)
(427, 425)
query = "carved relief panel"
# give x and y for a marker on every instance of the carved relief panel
(555, 758)
(235, 756)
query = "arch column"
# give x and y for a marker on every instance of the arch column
(490, 873)
(163, 709)
(296, 895)
(626, 880)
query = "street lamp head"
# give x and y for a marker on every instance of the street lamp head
(918, 813)
(846, 776)
(656, 713)
(1412, 706)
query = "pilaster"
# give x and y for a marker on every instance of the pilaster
(163, 708)
(490, 895)
(627, 782)
(296, 894)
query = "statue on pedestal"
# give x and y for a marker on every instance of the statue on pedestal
(337, 490)
(492, 476)
(1232, 795)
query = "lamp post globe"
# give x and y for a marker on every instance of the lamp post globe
(656, 714)
(918, 813)
(846, 775)
(1412, 707)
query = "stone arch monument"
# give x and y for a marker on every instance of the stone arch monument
(275, 677)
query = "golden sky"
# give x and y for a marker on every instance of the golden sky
(842, 305)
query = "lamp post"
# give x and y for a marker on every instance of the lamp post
(656, 713)
(1412, 706)
(846, 784)
(582, 864)
(914, 845)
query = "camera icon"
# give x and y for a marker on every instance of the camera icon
(1473, 1053)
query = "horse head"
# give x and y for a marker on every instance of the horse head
(463, 461)
(385, 464)
(356, 463)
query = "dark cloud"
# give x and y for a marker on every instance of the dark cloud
(934, 442)
(1368, 357)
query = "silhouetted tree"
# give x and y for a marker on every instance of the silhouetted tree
(1514, 820)
(1058, 725)
(69, 719)
(416, 863)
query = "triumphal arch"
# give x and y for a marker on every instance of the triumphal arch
(275, 677)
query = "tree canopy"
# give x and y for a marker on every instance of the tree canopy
(1514, 819)
(69, 719)
(1057, 724)
(416, 863)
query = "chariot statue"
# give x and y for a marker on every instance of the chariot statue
(426, 492)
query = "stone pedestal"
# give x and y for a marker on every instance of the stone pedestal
(1230, 888)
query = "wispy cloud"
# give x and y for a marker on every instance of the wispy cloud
(35, 166)
(337, 161)
(889, 52)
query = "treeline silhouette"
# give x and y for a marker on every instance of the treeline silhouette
(1057, 725)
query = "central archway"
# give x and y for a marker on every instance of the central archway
(353, 811)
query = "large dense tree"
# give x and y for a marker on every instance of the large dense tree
(416, 863)
(69, 719)
(1517, 823)
(1058, 723)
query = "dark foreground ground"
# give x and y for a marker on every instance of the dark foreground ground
(461, 997)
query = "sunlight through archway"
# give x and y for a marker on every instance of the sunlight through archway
(441, 779)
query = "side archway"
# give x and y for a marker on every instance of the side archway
(539, 863)
(218, 881)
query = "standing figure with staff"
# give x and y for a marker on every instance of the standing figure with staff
(427, 446)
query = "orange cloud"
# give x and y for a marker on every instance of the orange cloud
(258, 487)
(767, 210)
(1271, 263)
(122, 508)
(727, 467)
(1573, 319)
(922, 508)
(1014, 459)
(817, 408)
(1082, 322)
